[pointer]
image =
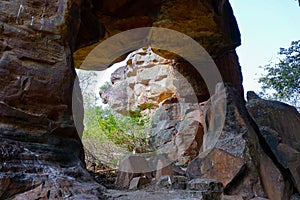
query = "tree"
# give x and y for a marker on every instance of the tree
(87, 82)
(282, 81)
(108, 135)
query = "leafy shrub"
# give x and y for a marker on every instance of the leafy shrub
(108, 135)
(105, 129)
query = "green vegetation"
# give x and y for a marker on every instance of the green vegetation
(282, 81)
(105, 86)
(108, 135)
(126, 132)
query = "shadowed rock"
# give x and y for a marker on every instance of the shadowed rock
(233, 154)
(210, 23)
(279, 124)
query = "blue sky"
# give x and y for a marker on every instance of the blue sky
(265, 26)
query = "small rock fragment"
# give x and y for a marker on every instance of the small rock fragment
(137, 182)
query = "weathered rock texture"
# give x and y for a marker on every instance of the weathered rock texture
(232, 153)
(72, 183)
(131, 167)
(38, 138)
(211, 189)
(150, 81)
(177, 131)
(211, 23)
(279, 125)
(39, 145)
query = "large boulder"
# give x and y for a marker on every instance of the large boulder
(149, 81)
(232, 153)
(176, 130)
(279, 124)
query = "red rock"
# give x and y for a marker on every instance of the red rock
(210, 23)
(37, 130)
(279, 126)
(218, 164)
(275, 184)
(37, 40)
(232, 153)
(149, 81)
(62, 189)
(177, 130)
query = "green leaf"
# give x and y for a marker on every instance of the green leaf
(283, 76)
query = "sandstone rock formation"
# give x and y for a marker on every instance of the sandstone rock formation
(150, 81)
(138, 182)
(38, 138)
(236, 158)
(72, 183)
(152, 86)
(177, 131)
(279, 125)
(41, 154)
(172, 182)
(131, 167)
(210, 23)
(230, 153)
(212, 189)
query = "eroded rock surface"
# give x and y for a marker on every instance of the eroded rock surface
(279, 125)
(232, 153)
(38, 138)
(177, 131)
(150, 81)
(72, 183)
(210, 23)
(41, 154)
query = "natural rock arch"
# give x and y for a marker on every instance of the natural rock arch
(37, 45)
(210, 23)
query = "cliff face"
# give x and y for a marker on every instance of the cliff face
(37, 42)
(37, 132)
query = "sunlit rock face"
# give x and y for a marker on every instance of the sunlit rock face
(152, 86)
(150, 81)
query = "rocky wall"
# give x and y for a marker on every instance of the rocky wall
(37, 132)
